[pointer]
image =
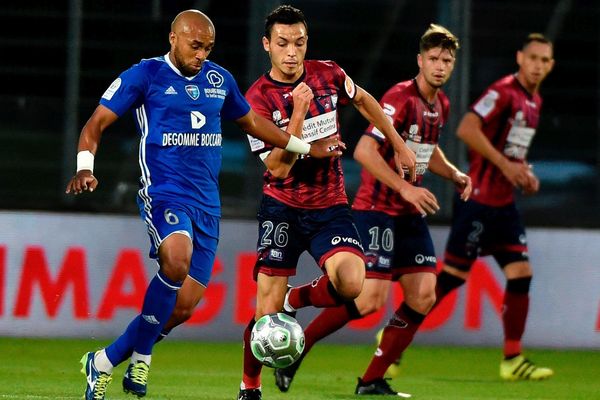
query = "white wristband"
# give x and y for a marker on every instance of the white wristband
(85, 160)
(296, 145)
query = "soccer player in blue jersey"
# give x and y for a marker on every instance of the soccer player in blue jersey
(178, 101)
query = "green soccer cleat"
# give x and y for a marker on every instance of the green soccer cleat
(520, 368)
(135, 380)
(96, 381)
(394, 369)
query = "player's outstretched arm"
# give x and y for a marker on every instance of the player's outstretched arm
(367, 154)
(469, 131)
(372, 111)
(89, 139)
(265, 130)
(439, 165)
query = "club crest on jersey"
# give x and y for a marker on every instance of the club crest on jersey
(214, 78)
(192, 91)
(413, 133)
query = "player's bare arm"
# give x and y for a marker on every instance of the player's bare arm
(469, 131)
(279, 161)
(372, 111)
(89, 139)
(367, 154)
(439, 165)
(265, 130)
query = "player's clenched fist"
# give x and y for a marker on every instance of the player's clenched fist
(302, 95)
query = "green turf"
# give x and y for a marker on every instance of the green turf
(49, 369)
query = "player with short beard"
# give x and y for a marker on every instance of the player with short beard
(179, 194)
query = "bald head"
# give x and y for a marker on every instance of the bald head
(188, 20)
(192, 38)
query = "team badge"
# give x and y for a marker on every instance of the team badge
(276, 116)
(192, 91)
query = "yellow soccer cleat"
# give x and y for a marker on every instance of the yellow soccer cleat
(394, 369)
(520, 368)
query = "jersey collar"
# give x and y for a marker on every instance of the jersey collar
(176, 70)
(291, 84)
(430, 105)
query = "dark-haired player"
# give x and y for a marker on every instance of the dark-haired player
(498, 130)
(304, 207)
(389, 213)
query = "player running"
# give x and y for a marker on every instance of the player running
(178, 100)
(304, 207)
(499, 129)
(389, 213)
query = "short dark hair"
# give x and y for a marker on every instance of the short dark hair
(438, 36)
(284, 14)
(536, 37)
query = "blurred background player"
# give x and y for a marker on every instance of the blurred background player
(389, 213)
(172, 95)
(304, 207)
(498, 130)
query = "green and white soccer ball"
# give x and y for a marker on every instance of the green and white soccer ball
(277, 340)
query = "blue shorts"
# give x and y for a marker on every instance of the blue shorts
(165, 218)
(479, 230)
(395, 246)
(286, 232)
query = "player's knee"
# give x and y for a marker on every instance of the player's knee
(175, 267)
(350, 290)
(421, 301)
(368, 308)
(268, 306)
(517, 269)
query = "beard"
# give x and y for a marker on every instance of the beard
(180, 64)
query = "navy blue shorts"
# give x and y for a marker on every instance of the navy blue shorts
(395, 245)
(285, 232)
(479, 230)
(165, 218)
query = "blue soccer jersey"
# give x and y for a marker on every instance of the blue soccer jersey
(179, 120)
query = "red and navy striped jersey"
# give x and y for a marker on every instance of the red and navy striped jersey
(420, 125)
(312, 183)
(509, 115)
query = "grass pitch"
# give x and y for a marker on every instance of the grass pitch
(37, 369)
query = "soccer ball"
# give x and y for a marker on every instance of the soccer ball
(277, 340)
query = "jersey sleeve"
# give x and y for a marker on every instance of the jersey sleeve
(395, 109)
(259, 105)
(345, 83)
(235, 105)
(128, 90)
(491, 103)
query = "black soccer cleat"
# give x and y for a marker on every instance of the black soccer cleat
(377, 387)
(284, 376)
(250, 394)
